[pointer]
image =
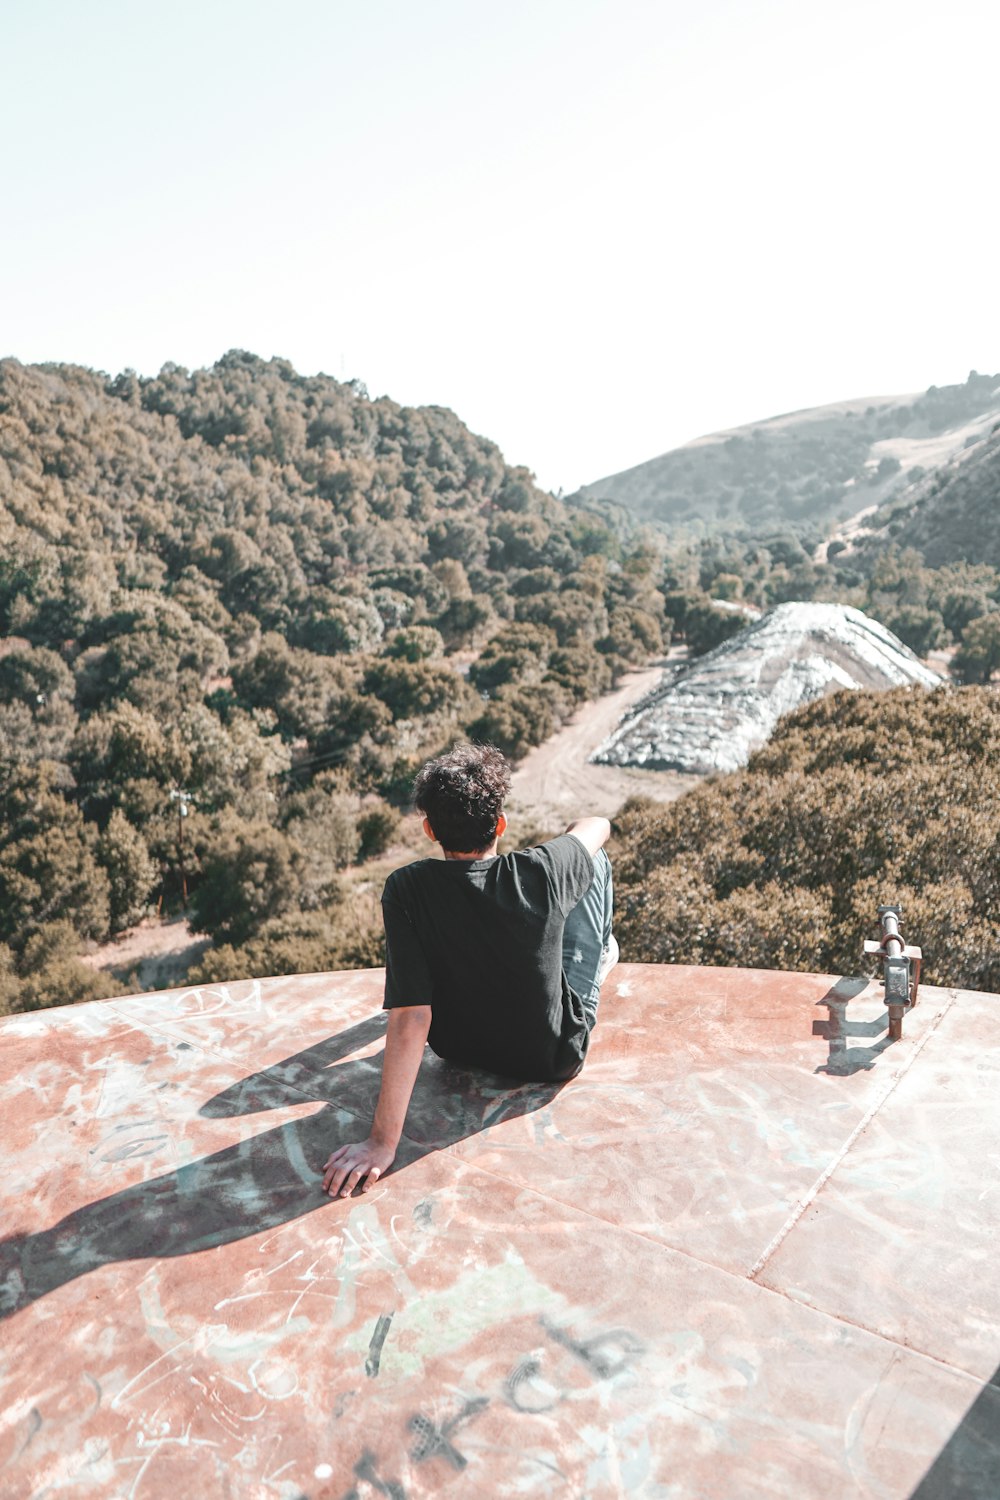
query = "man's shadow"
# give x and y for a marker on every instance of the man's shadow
(270, 1179)
(844, 1059)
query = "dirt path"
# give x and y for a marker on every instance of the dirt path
(556, 781)
(157, 953)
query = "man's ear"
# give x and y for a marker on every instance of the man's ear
(429, 831)
(501, 826)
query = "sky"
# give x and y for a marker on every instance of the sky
(594, 230)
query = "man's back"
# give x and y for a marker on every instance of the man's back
(478, 948)
(480, 941)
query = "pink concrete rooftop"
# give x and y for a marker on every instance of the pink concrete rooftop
(749, 1252)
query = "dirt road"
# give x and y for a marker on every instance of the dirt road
(556, 780)
(157, 953)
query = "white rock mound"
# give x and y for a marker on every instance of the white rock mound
(709, 715)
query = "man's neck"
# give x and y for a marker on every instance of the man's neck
(489, 853)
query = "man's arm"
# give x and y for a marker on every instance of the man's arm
(404, 1047)
(593, 833)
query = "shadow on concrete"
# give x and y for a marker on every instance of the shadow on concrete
(271, 1178)
(969, 1463)
(844, 1059)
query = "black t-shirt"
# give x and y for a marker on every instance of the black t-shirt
(480, 941)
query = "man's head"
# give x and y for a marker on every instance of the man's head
(461, 795)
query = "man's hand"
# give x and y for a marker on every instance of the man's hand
(404, 1047)
(347, 1165)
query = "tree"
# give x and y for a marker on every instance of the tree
(465, 621)
(518, 653)
(124, 757)
(48, 869)
(516, 718)
(962, 592)
(36, 703)
(250, 872)
(354, 717)
(226, 582)
(10, 988)
(978, 657)
(415, 643)
(299, 686)
(413, 690)
(923, 630)
(260, 590)
(377, 825)
(726, 586)
(572, 614)
(461, 537)
(519, 541)
(452, 575)
(335, 937)
(633, 635)
(340, 624)
(131, 872)
(153, 655)
(706, 627)
(582, 671)
(324, 819)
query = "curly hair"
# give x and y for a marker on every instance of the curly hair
(461, 794)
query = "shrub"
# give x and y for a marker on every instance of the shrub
(49, 973)
(858, 799)
(377, 827)
(300, 943)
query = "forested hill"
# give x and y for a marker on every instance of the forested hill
(252, 595)
(248, 471)
(808, 469)
(246, 498)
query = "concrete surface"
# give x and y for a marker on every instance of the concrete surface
(748, 1253)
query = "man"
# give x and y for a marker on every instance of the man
(496, 960)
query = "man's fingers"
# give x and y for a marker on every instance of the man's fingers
(338, 1164)
(337, 1170)
(351, 1166)
(351, 1183)
(332, 1180)
(341, 1180)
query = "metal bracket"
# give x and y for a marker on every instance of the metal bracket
(911, 952)
(901, 964)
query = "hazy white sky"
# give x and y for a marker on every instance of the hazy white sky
(594, 229)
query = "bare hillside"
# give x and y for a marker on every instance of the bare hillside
(810, 469)
(953, 514)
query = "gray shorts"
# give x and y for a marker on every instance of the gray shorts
(587, 938)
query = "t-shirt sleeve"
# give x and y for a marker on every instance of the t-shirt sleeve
(407, 976)
(569, 866)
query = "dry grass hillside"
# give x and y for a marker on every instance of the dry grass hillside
(809, 469)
